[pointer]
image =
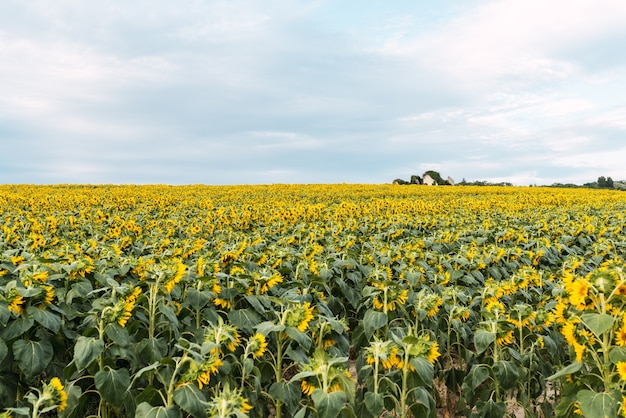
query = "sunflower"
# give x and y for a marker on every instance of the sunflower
(178, 275)
(621, 369)
(620, 336)
(433, 353)
(54, 394)
(15, 302)
(578, 293)
(257, 345)
(300, 316)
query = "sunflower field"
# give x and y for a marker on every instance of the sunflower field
(312, 301)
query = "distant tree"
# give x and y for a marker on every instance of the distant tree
(609, 183)
(400, 181)
(601, 181)
(416, 179)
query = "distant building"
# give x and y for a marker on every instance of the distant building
(450, 181)
(428, 180)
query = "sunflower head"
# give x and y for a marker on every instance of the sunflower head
(54, 394)
(299, 316)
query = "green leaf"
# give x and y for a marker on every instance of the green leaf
(170, 314)
(145, 410)
(483, 339)
(373, 320)
(244, 319)
(328, 405)
(117, 334)
(617, 354)
(507, 373)
(86, 350)
(45, 317)
(268, 327)
(597, 405)
(477, 375)
(424, 370)
(374, 403)
(301, 413)
(302, 375)
(152, 349)
(149, 368)
(255, 301)
(112, 385)
(17, 327)
(285, 391)
(3, 350)
(5, 315)
(32, 356)
(191, 400)
(598, 323)
(302, 338)
(491, 409)
(572, 368)
(8, 388)
(197, 299)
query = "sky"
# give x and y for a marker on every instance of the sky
(311, 91)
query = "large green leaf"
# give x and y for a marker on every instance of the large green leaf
(17, 328)
(197, 299)
(32, 356)
(477, 375)
(491, 409)
(328, 405)
(569, 369)
(424, 370)
(373, 320)
(507, 373)
(268, 327)
(244, 319)
(117, 334)
(374, 403)
(302, 338)
(169, 313)
(145, 410)
(617, 354)
(598, 323)
(191, 400)
(86, 350)
(483, 339)
(597, 405)
(46, 318)
(112, 385)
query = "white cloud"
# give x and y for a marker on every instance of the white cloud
(512, 40)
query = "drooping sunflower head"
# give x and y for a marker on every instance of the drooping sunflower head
(228, 402)
(54, 394)
(222, 335)
(257, 345)
(299, 316)
(15, 301)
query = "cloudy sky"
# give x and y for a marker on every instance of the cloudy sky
(311, 91)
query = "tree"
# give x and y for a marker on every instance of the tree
(601, 181)
(609, 183)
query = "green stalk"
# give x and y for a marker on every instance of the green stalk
(376, 362)
(405, 377)
(278, 369)
(152, 306)
(36, 407)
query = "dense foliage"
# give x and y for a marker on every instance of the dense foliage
(317, 300)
